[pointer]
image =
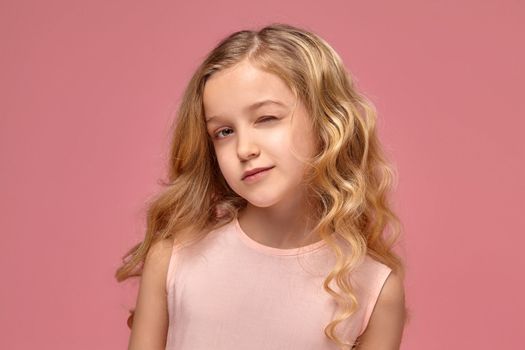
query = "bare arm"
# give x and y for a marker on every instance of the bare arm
(150, 322)
(385, 327)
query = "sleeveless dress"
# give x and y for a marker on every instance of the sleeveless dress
(229, 291)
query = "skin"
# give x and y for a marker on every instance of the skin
(276, 212)
(385, 327)
(243, 139)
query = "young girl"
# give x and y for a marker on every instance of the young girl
(269, 233)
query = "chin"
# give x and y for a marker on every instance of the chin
(261, 202)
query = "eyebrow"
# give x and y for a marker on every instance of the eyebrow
(254, 106)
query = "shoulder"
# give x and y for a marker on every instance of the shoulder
(393, 292)
(150, 318)
(387, 321)
(391, 301)
(157, 259)
(159, 250)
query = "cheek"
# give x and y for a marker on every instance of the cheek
(287, 147)
(277, 141)
(225, 161)
(300, 146)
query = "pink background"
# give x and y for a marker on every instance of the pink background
(88, 90)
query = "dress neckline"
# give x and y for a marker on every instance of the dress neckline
(273, 250)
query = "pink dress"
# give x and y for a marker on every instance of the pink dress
(229, 292)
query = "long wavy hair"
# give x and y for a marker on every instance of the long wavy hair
(350, 179)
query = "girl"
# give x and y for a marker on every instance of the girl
(269, 232)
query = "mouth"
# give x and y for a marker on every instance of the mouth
(254, 175)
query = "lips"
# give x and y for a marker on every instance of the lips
(254, 171)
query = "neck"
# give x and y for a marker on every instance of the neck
(285, 226)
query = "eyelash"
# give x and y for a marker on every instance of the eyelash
(264, 118)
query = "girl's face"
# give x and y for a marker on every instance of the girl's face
(250, 132)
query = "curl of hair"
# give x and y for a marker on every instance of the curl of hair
(350, 178)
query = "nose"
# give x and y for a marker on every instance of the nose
(246, 146)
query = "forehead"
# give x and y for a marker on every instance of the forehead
(238, 89)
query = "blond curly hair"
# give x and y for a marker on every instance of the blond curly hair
(349, 180)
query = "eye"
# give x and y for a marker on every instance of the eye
(267, 117)
(218, 133)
